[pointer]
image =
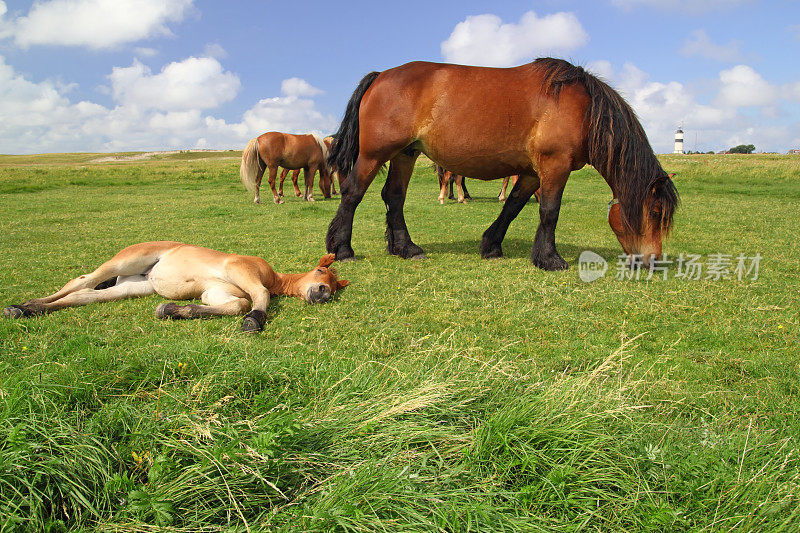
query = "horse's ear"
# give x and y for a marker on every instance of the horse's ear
(342, 283)
(327, 260)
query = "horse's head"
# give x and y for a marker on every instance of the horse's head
(318, 285)
(658, 208)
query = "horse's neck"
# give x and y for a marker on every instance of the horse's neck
(286, 284)
(322, 147)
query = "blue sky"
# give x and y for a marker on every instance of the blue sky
(109, 75)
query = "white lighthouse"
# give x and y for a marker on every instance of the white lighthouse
(678, 141)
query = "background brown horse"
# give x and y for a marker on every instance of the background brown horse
(541, 120)
(275, 149)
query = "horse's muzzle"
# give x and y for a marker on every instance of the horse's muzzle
(317, 294)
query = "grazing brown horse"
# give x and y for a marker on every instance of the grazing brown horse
(541, 121)
(227, 284)
(275, 149)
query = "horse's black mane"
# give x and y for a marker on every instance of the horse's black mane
(618, 145)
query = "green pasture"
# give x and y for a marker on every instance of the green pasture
(450, 394)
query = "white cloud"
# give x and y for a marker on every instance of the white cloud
(298, 87)
(486, 40)
(145, 52)
(742, 86)
(194, 83)
(215, 50)
(37, 117)
(96, 23)
(700, 44)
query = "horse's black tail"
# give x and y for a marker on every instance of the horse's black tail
(344, 149)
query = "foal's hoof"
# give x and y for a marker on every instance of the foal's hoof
(167, 310)
(13, 311)
(251, 325)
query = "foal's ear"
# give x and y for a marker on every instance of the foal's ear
(342, 283)
(327, 260)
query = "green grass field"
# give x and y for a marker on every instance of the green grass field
(451, 394)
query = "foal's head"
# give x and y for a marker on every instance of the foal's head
(318, 285)
(658, 208)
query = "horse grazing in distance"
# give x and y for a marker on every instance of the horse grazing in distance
(275, 149)
(540, 121)
(227, 284)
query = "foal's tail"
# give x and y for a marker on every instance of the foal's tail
(250, 166)
(344, 150)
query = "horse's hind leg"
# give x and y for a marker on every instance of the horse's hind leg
(493, 237)
(398, 241)
(503, 187)
(284, 172)
(295, 177)
(340, 230)
(273, 174)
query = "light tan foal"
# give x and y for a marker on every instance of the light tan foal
(227, 284)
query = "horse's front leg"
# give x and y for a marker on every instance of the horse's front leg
(353, 187)
(493, 237)
(398, 241)
(554, 178)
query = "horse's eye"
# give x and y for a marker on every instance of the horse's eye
(320, 271)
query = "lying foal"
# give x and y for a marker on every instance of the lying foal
(227, 284)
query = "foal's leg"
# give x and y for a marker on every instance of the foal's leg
(554, 173)
(295, 176)
(493, 237)
(273, 174)
(340, 230)
(284, 172)
(127, 287)
(218, 302)
(398, 241)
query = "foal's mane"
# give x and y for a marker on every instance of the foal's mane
(618, 145)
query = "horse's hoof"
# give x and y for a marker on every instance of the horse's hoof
(550, 263)
(493, 253)
(251, 325)
(13, 311)
(166, 310)
(418, 256)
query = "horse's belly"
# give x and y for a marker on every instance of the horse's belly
(174, 284)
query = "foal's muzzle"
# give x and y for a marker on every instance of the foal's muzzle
(317, 294)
